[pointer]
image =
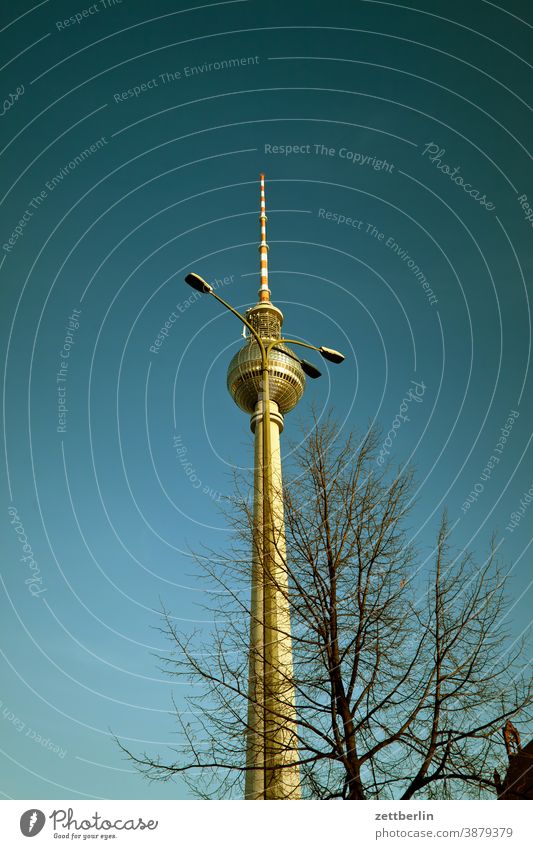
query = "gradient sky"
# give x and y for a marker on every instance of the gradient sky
(364, 94)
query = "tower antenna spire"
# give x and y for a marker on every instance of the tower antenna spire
(264, 291)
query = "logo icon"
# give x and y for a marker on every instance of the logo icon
(32, 822)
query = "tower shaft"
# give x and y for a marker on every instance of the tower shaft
(271, 752)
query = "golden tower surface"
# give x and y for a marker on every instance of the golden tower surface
(271, 744)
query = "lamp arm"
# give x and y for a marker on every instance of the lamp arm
(252, 329)
(282, 351)
(291, 342)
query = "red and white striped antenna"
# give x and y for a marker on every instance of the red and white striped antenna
(264, 291)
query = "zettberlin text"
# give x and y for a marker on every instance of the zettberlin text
(399, 815)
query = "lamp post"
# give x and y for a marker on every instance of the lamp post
(266, 686)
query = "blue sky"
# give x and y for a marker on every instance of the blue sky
(131, 151)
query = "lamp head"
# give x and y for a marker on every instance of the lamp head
(309, 369)
(331, 355)
(198, 283)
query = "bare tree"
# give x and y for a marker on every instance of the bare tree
(404, 673)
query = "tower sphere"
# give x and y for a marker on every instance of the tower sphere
(287, 379)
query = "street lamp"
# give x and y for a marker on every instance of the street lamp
(331, 355)
(309, 369)
(198, 283)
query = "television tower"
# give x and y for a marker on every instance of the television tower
(271, 750)
(266, 379)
